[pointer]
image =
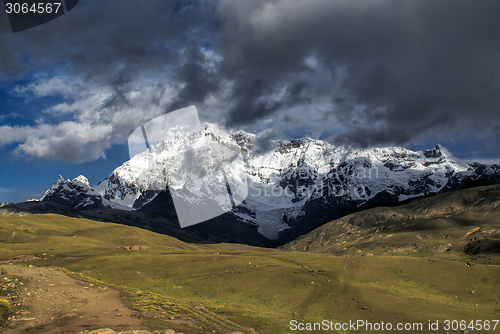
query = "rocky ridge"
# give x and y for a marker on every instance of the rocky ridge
(294, 186)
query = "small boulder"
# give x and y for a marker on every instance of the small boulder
(102, 331)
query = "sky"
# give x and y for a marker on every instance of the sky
(361, 73)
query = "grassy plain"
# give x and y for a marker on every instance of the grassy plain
(228, 287)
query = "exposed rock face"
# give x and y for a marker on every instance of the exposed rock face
(75, 193)
(293, 188)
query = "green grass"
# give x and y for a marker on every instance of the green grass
(5, 309)
(228, 287)
(463, 221)
(9, 286)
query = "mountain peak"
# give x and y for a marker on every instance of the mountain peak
(60, 180)
(82, 179)
(437, 152)
(442, 154)
(287, 177)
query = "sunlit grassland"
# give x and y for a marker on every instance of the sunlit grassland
(253, 287)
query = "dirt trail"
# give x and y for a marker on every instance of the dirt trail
(64, 304)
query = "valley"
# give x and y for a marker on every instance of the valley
(293, 187)
(250, 167)
(436, 258)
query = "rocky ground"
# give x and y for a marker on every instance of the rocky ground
(52, 302)
(140, 331)
(110, 331)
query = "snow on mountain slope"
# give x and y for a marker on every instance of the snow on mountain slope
(312, 169)
(76, 193)
(285, 183)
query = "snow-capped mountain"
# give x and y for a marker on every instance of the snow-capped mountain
(292, 188)
(76, 193)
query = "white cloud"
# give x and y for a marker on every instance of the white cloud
(487, 161)
(68, 140)
(12, 134)
(102, 116)
(9, 116)
(63, 86)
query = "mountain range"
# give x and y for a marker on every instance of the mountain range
(293, 186)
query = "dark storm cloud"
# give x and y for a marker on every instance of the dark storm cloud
(410, 67)
(249, 94)
(375, 72)
(117, 64)
(106, 38)
(254, 100)
(265, 141)
(197, 77)
(112, 44)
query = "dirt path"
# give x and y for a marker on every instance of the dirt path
(64, 305)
